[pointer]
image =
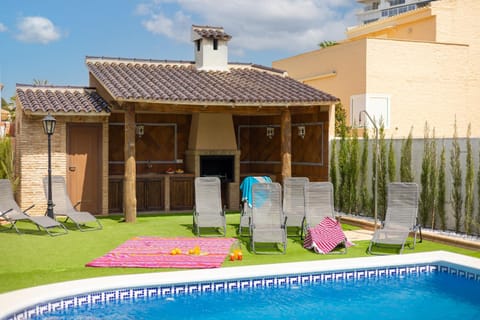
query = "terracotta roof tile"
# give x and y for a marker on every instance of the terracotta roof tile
(175, 82)
(211, 32)
(60, 99)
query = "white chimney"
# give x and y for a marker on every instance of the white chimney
(210, 47)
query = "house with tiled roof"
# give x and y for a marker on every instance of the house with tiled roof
(416, 67)
(144, 129)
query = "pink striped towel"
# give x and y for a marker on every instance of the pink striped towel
(325, 236)
(155, 252)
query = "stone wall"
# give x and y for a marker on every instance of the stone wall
(31, 158)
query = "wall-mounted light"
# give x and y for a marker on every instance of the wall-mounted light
(270, 132)
(139, 130)
(301, 131)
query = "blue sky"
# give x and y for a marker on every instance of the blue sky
(49, 39)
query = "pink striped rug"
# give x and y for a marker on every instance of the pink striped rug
(155, 252)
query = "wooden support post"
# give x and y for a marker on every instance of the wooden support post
(286, 148)
(129, 185)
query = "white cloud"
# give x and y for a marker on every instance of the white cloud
(255, 25)
(37, 30)
(3, 28)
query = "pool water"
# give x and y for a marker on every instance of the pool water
(433, 295)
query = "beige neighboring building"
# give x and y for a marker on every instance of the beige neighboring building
(422, 65)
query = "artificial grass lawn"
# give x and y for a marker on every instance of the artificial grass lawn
(34, 258)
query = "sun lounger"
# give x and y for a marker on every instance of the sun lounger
(321, 227)
(318, 203)
(246, 211)
(268, 221)
(85, 221)
(400, 218)
(208, 212)
(294, 201)
(11, 212)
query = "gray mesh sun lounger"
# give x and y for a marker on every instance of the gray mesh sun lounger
(400, 218)
(208, 212)
(294, 201)
(85, 221)
(268, 221)
(246, 211)
(318, 203)
(11, 212)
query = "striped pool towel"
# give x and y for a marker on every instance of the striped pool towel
(325, 236)
(155, 252)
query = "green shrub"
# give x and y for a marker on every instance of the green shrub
(6, 159)
(456, 171)
(406, 174)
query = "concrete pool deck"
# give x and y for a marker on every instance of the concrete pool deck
(16, 301)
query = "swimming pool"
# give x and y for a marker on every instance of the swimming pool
(31, 302)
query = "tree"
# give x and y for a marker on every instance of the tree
(392, 167)
(354, 172)
(344, 172)
(428, 177)
(327, 43)
(406, 174)
(433, 177)
(364, 196)
(382, 173)
(333, 172)
(441, 194)
(469, 182)
(456, 171)
(10, 107)
(341, 127)
(38, 82)
(6, 160)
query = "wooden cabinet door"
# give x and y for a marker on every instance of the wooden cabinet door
(141, 198)
(154, 194)
(115, 195)
(181, 193)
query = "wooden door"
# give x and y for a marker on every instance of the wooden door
(84, 169)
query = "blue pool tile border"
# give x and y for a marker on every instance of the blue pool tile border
(239, 284)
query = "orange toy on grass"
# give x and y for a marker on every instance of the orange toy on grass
(236, 255)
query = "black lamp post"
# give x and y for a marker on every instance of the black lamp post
(49, 128)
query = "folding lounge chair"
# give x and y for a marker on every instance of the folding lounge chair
(63, 206)
(318, 206)
(268, 221)
(11, 212)
(246, 212)
(400, 218)
(294, 201)
(318, 203)
(208, 212)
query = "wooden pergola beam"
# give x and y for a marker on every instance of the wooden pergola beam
(243, 110)
(129, 185)
(286, 143)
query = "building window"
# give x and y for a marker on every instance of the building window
(396, 2)
(198, 42)
(215, 44)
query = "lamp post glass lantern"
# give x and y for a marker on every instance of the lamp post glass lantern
(49, 128)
